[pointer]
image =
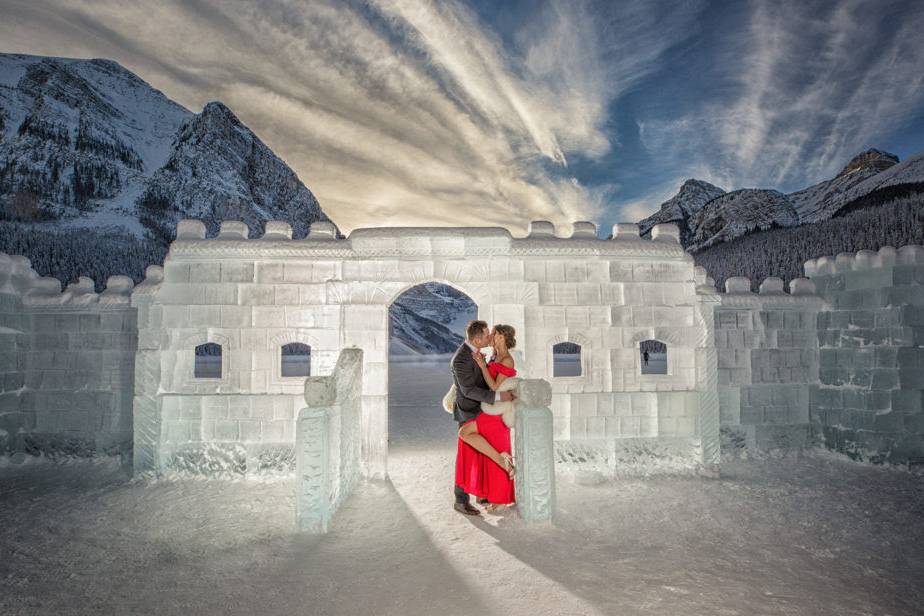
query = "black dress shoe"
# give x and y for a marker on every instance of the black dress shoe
(466, 509)
(483, 501)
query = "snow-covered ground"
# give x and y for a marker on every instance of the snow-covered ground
(809, 535)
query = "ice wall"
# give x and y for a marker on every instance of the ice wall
(65, 362)
(253, 295)
(842, 365)
(868, 403)
(767, 360)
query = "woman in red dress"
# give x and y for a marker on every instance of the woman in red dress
(476, 473)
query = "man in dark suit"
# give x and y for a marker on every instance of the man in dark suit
(471, 391)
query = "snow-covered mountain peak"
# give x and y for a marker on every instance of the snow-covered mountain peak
(87, 143)
(823, 200)
(707, 215)
(694, 194)
(691, 197)
(220, 170)
(872, 160)
(692, 184)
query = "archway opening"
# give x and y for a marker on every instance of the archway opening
(426, 326)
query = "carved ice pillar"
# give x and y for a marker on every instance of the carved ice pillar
(535, 452)
(707, 379)
(366, 326)
(146, 407)
(312, 470)
(327, 443)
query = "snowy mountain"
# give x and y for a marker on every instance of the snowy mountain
(708, 216)
(738, 213)
(823, 200)
(219, 170)
(691, 197)
(87, 143)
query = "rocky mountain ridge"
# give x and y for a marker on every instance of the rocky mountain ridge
(708, 216)
(89, 144)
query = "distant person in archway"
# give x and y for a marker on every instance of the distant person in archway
(645, 357)
(471, 390)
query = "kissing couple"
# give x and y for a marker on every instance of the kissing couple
(482, 404)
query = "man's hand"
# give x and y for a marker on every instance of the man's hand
(507, 396)
(479, 358)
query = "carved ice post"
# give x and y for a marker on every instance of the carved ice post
(535, 453)
(312, 455)
(707, 382)
(146, 404)
(312, 471)
(327, 439)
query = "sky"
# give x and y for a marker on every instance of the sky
(405, 112)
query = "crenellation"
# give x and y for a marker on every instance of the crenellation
(625, 231)
(584, 230)
(771, 286)
(541, 228)
(322, 230)
(233, 230)
(277, 230)
(190, 230)
(843, 262)
(910, 255)
(665, 232)
(887, 256)
(738, 285)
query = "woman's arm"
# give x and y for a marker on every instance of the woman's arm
(492, 382)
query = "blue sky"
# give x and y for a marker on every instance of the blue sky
(402, 112)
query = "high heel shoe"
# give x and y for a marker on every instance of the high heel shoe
(508, 464)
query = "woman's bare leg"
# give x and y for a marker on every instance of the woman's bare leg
(469, 434)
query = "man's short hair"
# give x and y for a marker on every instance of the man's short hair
(474, 328)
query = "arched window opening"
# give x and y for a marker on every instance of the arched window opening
(653, 357)
(296, 359)
(566, 359)
(208, 361)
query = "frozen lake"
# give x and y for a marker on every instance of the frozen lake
(811, 535)
(657, 364)
(416, 419)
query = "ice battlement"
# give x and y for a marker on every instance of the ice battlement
(864, 260)
(802, 292)
(17, 277)
(322, 241)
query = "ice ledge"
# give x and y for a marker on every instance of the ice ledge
(322, 241)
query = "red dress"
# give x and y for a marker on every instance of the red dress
(475, 472)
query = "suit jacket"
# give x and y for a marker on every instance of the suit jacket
(471, 388)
